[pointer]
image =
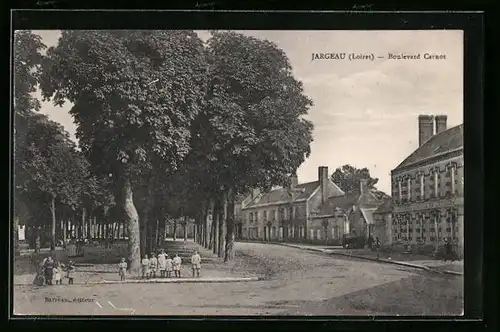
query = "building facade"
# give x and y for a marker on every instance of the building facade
(284, 214)
(351, 213)
(382, 218)
(428, 188)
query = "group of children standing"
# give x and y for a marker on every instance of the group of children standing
(52, 271)
(163, 263)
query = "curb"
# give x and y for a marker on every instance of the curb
(326, 251)
(177, 281)
(453, 273)
(160, 281)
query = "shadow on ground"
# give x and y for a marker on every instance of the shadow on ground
(419, 295)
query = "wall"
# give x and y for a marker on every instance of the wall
(334, 232)
(278, 228)
(383, 228)
(414, 221)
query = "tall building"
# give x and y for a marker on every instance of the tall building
(427, 188)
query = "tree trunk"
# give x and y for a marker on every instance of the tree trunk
(150, 238)
(222, 227)
(65, 232)
(89, 226)
(208, 232)
(134, 254)
(215, 220)
(185, 229)
(53, 233)
(174, 236)
(84, 218)
(157, 233)
(229, 250)
(94, 226)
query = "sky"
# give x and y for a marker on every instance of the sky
(365, 112)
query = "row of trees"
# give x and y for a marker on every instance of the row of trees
(168, 126)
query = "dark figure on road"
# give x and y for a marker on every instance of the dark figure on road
(48, 269)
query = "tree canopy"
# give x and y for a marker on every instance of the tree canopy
(348, 178)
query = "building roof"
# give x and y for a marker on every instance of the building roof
(344, 202)
(385, 207)
(368, 214)
(371, 199)
(446, 141)
(301, 192)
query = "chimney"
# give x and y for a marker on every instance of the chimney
(440, 123)
(323, 182)
(425, 128)
(362, 185)
(293, 181)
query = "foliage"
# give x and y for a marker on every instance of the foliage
(348, 178)
(252, 133)
(27, 64)
(134, 94)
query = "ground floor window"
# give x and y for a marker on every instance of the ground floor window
(311, 234)
(318, 234)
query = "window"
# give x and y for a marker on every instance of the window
(274, 215)
(250, 217)
(265, 215)
(256, 216)
(409, 188)
(318, 234)
(312, 234)
(293, 212)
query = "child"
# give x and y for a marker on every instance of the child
(71, 272)
(196, 263)
(168, 266)
(145, 267)
(122, 269)
(177, 261)
(58, 273)
(162, 260)
(153, 265)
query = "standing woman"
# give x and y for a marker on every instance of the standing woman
(49, 270)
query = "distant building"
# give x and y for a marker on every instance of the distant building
(284, 214)
(351, 213)
(427, 188)
(21, 232)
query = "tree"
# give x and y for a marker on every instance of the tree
(253, 132)
(27, 64)
(348, 178)
(27, 61)
(135, 94)
(49, 165)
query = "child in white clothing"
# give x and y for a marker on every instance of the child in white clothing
(177, 261)
(168, 266)
(153, 265)
(122, 269)
(145, 267)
